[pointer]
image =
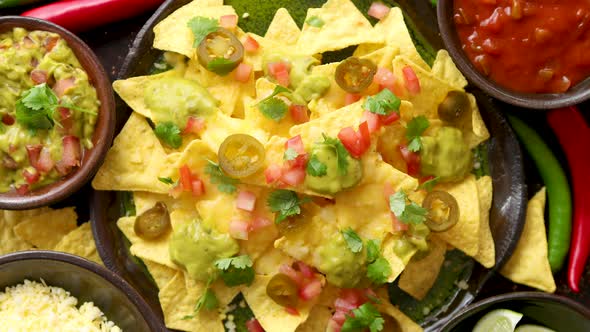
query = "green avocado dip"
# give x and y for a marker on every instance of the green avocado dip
(446, 155)
(334, 179)
(48, 110)
(342, 267)
(196, 248)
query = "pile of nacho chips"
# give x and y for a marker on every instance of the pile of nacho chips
(46, 229)
(138, 161)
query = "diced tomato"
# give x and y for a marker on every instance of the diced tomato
(22, 189)
(31, 176)
(280, 71)
(412, 160)
(384, 77)
(296, 276)
(273, 173)
(33, 152)
(306, 270)
(356, 143)
(343, 305)
(198, 187)
(353, 296)
(65, 119)
(292, 311)
(299, 113)
(243, 72)
(293, 176)
(239, 229)
(365, 134)
(8, 119)
(388, 191)
(373, 120)
(50, 43)
(251, 45)
(61, 87)
(70, 155)
(350, 98)
(311, 290)
(397, 225)
(186, 178)
(299, 162)
(246, 200)
(412, 82)
(260, 222)
(295, 143)
(38, 76)
(253, 325)
(45, 163)
(389, 119)
(194, 125)
(378, 10)
(228, 21)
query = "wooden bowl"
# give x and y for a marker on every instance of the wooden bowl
(575, 95)
(103, 133)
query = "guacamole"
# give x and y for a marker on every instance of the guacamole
(342, 267)
(334, 180)
(42, 140)
(446, 155)
(196, 248)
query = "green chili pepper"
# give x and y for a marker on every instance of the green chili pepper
(558, 191)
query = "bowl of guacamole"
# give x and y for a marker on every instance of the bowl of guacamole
(56, 113)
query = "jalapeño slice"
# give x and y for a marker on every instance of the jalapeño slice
(355, 75)
(283, 290)
(220, 52)
(241, 155)
(153, 223)
(443, 210)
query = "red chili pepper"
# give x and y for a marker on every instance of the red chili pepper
(81, 15)
(573, 134)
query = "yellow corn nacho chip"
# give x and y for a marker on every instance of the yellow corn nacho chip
(486, 255)
(282, 28)
(153, 250)
(269, 262)
(405, 323)
(9, 242)
(161, 274)
(145, 200)
(329, 124)
(135, 161)
(269, 314)
(44, 231)
(317, 320)
(444, 68)
(420, 274)
(397, 263)
(264, 87)
(529, 264)
(173, 33)
(477, 133)
(465, 234)
(16, 216)
(80, 242)
(344, 25)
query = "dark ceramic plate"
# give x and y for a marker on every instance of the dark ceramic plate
(506, 168)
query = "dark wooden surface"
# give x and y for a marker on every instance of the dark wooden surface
(112, 42)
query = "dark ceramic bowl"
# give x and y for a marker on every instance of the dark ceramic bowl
(446, 24)
(103, 133)
(85, 280)
(555, 312)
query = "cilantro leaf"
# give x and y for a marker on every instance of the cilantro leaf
(429, 185)
(236, 271)
(207, 301)
(383, 103)
(201, 27)
(224, 183)
(285, 203)
(39, 97)
(365, 316)
(315, 167)
(378, 271)
(373, 250)
(31, 118)
(277, 90)
(353, 240)
(414, 129)
(411, 213)
(273, 108)
(166, 180)
(342, 154)
(315, 21)
(169, 133)
(290, 154)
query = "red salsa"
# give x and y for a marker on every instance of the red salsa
(535, 46)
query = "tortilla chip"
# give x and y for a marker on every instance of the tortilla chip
(317, 320)
(529, 264)
(486, 255)
(269, 314)
(178, 302)
(15, 217)
(9, 242)
(173, 34)
(405, 323)
(220, 126)
(80, 242)
(444, 68)
(44, 231)
(282, 28)
(145, 200)
(477, 133)
(269, 262)
(397, 263)
(135, 161)
(344, 25)
(153, 250)
(264, 87)
(420, 274)
(161, 274)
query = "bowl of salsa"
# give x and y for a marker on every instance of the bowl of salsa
(56, 113)
(532, 54)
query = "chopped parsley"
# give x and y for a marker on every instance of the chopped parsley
(342, 154)
(408, 213)
(429, 184)
(274, 108)
(290, 154)
(201, 27)
(315, 21)
(373, 250)
(315, 167)
(414, 129)
(169, 133)
(285, 203)
(383, 103)
(166, 180)
(365, 316)
(224, 183)
(236, 271)
(353, 240)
